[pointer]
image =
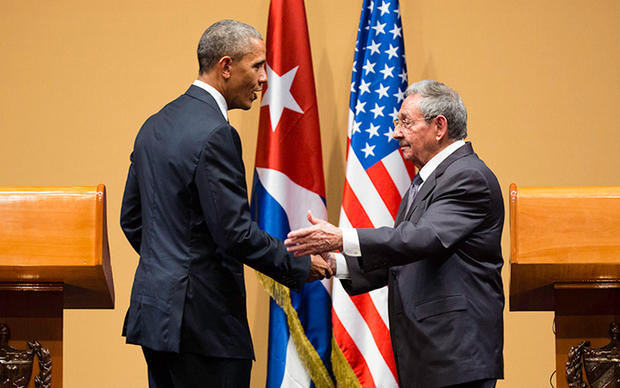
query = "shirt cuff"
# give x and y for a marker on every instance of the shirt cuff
(342, 269)
(351, 242)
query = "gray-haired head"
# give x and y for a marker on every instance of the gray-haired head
(225, 38)
(438, 99)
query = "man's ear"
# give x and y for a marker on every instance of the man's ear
(441, 127)
(224, 66)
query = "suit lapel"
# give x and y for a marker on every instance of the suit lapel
(430, 183)
(401, 210)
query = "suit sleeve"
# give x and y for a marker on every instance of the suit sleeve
(459, 204)
(220, 178)
(360, 282)
(131, 210)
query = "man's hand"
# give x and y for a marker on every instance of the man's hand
(330, 258)
(319, 238)
(319, 269)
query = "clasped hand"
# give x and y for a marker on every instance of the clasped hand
(320, 269)
(320, 238)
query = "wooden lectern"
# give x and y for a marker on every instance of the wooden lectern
(53, 255)
(565, 257)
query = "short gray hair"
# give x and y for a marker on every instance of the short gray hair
(225, 38)
(438, 99)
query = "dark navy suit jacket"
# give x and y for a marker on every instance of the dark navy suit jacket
(442, 261)
(185, 211)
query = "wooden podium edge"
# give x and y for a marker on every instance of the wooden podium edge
(102, 244)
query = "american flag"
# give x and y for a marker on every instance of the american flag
(377, 177)
(288, 181)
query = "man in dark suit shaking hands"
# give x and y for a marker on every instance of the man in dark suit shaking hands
(185, 211)
(442, 259)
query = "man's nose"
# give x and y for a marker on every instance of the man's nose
(397, 134)
(262, 76)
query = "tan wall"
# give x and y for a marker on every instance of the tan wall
(541, 81)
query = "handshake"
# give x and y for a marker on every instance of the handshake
(318, 241)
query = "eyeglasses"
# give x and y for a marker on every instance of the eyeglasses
(406, 123)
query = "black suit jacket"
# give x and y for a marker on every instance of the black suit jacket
(185, 211)
(442, 262)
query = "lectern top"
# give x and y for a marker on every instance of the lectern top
(567, 236)
(565, 224)
(57, 234)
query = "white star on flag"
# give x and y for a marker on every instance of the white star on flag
(394, 114)
(368, 150)
(382, 91)
(374, 47)
(377, 110)
(364, 87)
(400, 95)
(396, 31)
(403, 76)
(369, 67)
(278, 95)
(385, 8)
(379, 28)
(373, 131)
(392, 52)
(360, 107)
(387, 71)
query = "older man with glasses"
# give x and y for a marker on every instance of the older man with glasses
(442, 260)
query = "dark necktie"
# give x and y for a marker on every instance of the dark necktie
(413, 190)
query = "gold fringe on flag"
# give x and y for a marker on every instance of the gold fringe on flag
(342, 369)
(308, 355)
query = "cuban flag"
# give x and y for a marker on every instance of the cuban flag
(288, 181)
(376, 179)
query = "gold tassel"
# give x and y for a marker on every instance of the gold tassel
(308, 355)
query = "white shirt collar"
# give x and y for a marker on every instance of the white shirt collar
(436, 160)
(221, 102)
